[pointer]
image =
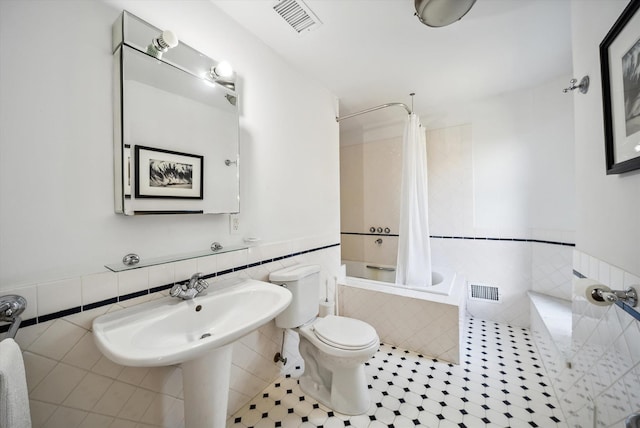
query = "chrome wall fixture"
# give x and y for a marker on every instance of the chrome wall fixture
(131, 259)
(162, 44)
(11, 306)
(583, 86)
(439, 13)
(606, 295)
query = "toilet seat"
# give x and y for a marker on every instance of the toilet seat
(345, 333)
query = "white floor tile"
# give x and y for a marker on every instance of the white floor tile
(499, 383)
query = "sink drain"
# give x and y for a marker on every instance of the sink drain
(205, 335)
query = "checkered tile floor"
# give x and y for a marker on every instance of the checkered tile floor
(500, 383)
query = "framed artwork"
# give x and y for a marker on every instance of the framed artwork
(620, 66)
(167, 174)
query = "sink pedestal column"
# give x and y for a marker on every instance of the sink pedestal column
(206, 388)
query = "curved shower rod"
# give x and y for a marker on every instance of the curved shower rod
(347, 116)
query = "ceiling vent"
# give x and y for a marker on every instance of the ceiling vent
(298, 15)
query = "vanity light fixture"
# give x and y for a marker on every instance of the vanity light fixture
(162, 44)
(223, 74)
(439, 13)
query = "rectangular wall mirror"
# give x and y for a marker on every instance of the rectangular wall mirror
(176, 128)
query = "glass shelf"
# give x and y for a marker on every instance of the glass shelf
(120, 267)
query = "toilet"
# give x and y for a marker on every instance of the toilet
(334, 348)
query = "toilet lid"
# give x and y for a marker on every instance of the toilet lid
(345, 333)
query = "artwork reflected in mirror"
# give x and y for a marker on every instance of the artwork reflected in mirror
(168, 174)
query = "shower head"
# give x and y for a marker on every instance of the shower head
(439, 13)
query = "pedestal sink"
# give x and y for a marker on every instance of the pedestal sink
(198, 334)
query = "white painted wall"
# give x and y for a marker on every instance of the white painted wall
(56, 203)
(608, 220)
(522, 158)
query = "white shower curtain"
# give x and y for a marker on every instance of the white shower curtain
(413, 267)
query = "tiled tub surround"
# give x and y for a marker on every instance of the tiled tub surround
(71, 384)
(423, 322)
(516, 266)
(602, 386)
(482, 233)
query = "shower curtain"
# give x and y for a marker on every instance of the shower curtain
(413, 267)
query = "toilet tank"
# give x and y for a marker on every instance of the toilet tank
(303, 281)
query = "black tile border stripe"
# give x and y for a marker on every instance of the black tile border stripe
(475, 238)
(628, 309)
(369, 234)
(112, 300)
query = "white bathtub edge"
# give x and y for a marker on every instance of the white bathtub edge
(451, 293)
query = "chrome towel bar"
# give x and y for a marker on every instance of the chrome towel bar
(11, 306)
(386, 269)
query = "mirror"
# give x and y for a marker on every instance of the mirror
(176, 129)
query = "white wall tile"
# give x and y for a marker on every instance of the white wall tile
(57, 340)
(40, 412)
(114, 399)
(134, 280)
(30, 293)
(98, 287)
(58, 384)
(37, 368)
(85, 354)
(65, 417)
(87, 393)
(59, 295)
(137, 404)
(94, 420)
(208, 264)
(605, 340)
(161, 275)
(184, 269)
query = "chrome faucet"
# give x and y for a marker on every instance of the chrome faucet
(190, 289)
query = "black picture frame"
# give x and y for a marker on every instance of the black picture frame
(621, 91)
(167, 174)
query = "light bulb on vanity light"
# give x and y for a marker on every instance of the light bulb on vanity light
(161, 44)
(222, 71)
(223, 74)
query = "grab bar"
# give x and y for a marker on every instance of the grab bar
(11, 307)
(386, 269)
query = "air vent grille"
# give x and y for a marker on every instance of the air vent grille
(484, 293)
(297, 14)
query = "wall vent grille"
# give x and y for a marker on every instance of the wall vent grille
(486, 293)
(297, 14)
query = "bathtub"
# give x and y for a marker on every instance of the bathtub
(443, 280)
(427, 320)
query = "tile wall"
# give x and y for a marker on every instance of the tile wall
(602, 386)
(514, 259)
(72, 385)
(421, 325)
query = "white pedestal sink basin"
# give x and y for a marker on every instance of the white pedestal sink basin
(196, 333)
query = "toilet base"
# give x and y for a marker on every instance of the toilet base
(342, 389)
(349, 393)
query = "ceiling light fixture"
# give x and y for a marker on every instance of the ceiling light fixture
(439, 13)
